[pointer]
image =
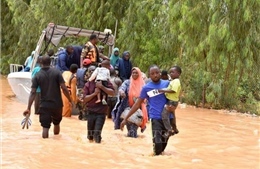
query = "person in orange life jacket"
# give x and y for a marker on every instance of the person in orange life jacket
(90, 50)
(70, 81)
(93, 51)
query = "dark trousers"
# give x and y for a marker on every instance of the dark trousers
(159, 142)
(166, 117)
(95, 125)
(111, 102)
(50, 115)
(131, 130)
(37, 102)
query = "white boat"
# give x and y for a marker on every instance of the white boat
(20, 82)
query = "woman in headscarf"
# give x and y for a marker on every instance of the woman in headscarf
(71, 83)
(114, 57)
(128, 93)
(124, 66)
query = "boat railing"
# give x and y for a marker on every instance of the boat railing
(16, 68)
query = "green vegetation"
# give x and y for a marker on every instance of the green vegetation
(215, 42)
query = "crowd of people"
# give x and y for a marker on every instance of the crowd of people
(99, 87)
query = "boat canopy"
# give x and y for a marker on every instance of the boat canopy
(54, 33)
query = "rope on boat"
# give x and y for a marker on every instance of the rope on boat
(46, 46)
(79, 32)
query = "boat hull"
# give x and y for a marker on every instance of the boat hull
(20, 83)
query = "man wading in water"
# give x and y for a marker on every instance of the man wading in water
(49, 80)
(156, 103)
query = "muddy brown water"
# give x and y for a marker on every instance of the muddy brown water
(207, 139)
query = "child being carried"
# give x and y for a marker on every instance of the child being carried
(102, 74)
(172, 94)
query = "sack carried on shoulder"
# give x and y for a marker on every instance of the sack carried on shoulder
(136, 118)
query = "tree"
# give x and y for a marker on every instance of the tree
(218, 39)
(215, 42)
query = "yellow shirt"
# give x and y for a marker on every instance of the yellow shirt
(174, 85)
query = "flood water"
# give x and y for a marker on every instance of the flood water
(208, 139)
